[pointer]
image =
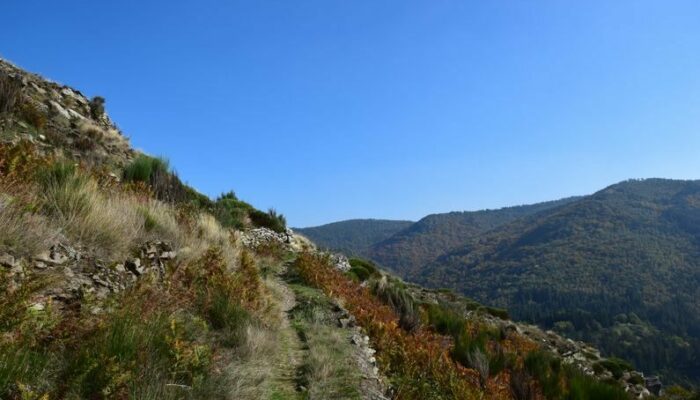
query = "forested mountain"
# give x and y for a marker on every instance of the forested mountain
(619, 268)
(354, 236)
(420, 243)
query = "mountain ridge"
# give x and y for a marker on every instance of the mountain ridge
(586, 267)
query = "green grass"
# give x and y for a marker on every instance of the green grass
(143, 168)
(227, 316)
(328, 369)
(361, 270)
(586, 388)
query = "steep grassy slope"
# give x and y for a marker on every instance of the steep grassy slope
(620, 268)
(355, 236)
(422, 242)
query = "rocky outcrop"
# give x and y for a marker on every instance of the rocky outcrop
(340, 262)
(258, 237)
(255, 238)
(69, 125)
(73, 277)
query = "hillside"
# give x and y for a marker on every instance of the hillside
(422, 242)
(618, 268)
(355, 236)
(120, 281)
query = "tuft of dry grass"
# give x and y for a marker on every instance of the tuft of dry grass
(253, 364)
(109, 225)
(23, 232)
(205, 233)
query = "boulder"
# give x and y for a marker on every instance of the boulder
(341, 262)
(653, 384)
(8, 261)
(135, 266)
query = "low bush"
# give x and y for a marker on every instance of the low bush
(226, 315)
(521, 387)
(97, 107)
(362, 270)
(547, 370)
(270, 219)
(230, 211)
(583, 387)
(10, 93)
(445, 321)
(30, 113)
(615, 365)
(164, 184)
(145, 169)
(393, 293)
(496, 312)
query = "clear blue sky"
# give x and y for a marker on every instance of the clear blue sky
(329, 109)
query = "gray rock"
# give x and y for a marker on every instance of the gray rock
(8, 261)
(341, 262)
(135, 266)
(348, 322)
(59, 109)
(653, 384)
(75, 114)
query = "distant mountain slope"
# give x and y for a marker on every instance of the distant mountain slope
(620, 268)
(427, 239)
(353, 236)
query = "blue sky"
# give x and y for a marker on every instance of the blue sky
(328, 109)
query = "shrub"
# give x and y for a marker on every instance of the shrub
(499, 360)
(230, 211)
(615, 365)
(445, 321)
(144, 169)
(227, 315)
(270, 219)
(478, 360)
(97, 107)
(164, 184)
(547, 369)
(362, 270)
(497, 312)
(521, 386)
(10, 93)
(391, 292)
(584, 388)
(32, 115)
